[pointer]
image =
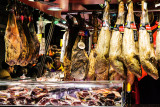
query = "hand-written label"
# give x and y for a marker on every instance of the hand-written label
(105, 23)
(151, 36)
(158, 27)
(135, 35)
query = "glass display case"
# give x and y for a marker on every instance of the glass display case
(69, 93)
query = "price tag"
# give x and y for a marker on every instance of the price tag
(121, 29)
(135, 35)
(39, 36)
(145, 5)
(81, 45)
(75, 21)
(133, 26)
(158, 27)
(81, 33)
(105, 23)
(42, 47)
(148, 27)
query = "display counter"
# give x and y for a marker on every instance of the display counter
(75, 93)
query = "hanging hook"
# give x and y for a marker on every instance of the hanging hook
(41, 13)
(105, 2)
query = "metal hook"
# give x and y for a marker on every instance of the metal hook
(41, 13)
(105, 2)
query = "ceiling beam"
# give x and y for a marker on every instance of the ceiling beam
(43, 8)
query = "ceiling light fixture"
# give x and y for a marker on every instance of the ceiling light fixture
(157, 5)
(54, 9)
(35, 0)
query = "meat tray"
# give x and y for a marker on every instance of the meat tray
(62, 93)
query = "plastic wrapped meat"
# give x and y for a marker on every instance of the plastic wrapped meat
(64, 103)
(44, 101)
(11, 101)
(2, 101)
(109, 103)
(21, 100)
(76, 103)
(18, 91)
(54, 102)
(92, 103)
(38, 93)
(30, 101)
(82, 95)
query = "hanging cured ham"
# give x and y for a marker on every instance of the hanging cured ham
(130, 42)
(35, 39)
(91, 73)
(30, 43)
(101, 53)
(24, 46)
(146, 49)
(12, 41)
(158, 44)
(73, 32)
(79, 61)
(115, 53)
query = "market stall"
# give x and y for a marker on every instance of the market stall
(78, 52)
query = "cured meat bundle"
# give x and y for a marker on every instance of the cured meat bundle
(130, 42)
(79, 62)
(102, 48)
(146, 49)
(115, 53)
(12, 41)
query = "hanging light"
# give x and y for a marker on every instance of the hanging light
(54, 9)
(35, 0)
(64, 22)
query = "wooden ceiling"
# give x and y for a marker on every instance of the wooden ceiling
(71, 5)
